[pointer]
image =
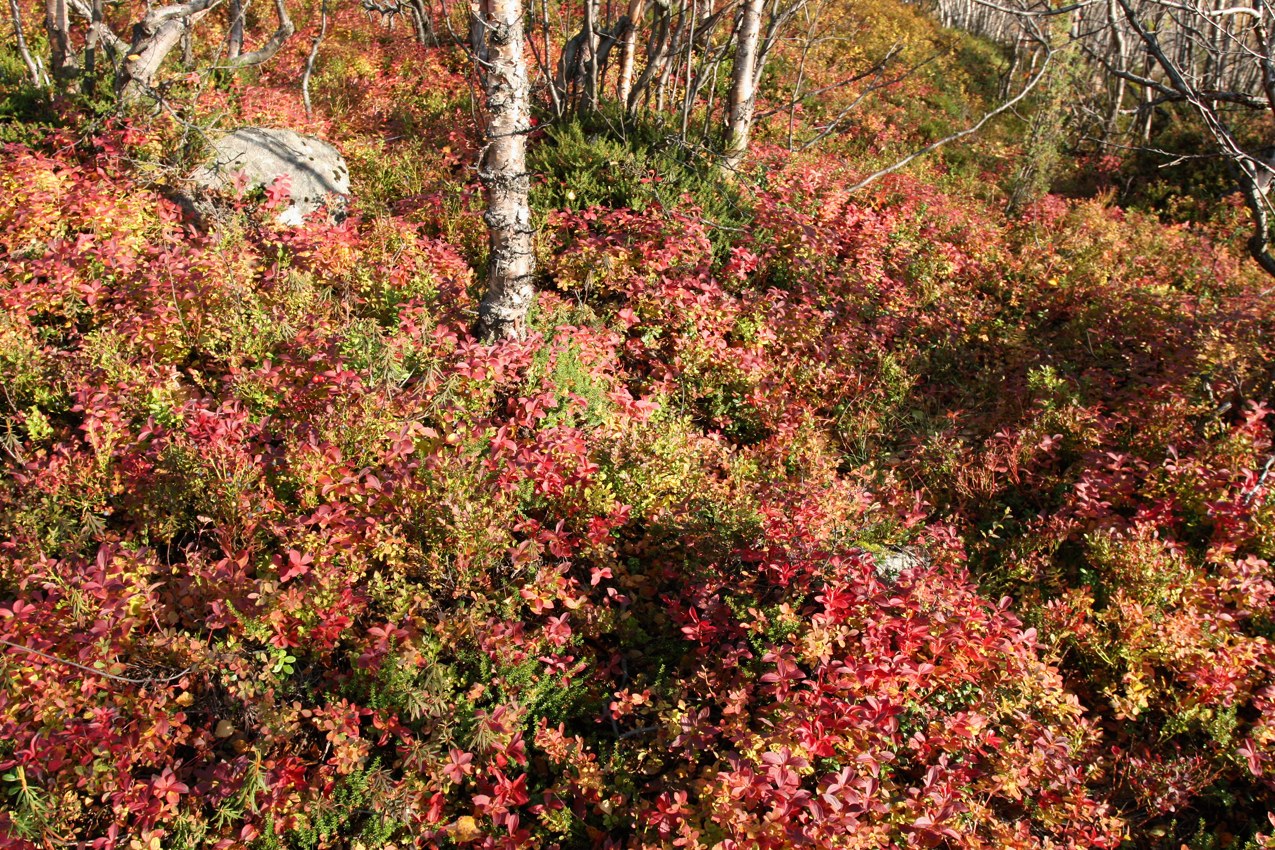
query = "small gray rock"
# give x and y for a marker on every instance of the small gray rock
(316, 169)
(890, 562)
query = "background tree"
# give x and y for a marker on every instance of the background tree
(1220, 61)
(1138, 59)
(137, 60)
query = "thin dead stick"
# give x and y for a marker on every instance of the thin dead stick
(968, 131)
(148, 680)
(1261, 481)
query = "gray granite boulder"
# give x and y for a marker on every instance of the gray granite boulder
(316, 170)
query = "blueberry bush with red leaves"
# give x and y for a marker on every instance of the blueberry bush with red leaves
(884, 520)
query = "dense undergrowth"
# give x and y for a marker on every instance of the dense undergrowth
(297, 563)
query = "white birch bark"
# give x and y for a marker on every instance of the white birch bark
(503, 171)
(743, 89)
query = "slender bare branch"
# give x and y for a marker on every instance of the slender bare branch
(129, 680)
(968, 131)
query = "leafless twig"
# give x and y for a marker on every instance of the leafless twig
(146, 680)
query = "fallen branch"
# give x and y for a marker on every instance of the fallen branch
(148, 680)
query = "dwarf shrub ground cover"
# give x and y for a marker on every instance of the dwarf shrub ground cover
(288, 560)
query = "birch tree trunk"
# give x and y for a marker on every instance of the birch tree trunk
(743, 88)
(503, 171)
(238, 10)
(153, 39)
(155, 36)
(19, 34)
(589, 57)
(628, 48)
(57, 23)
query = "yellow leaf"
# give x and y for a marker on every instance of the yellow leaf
(465, 829)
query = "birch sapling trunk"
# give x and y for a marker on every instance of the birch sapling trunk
(503, 172)
(589, 54)
(57, 23)
(628, 49)
(19, 34)
(422, 22)
(238, 10)
(743, 88)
